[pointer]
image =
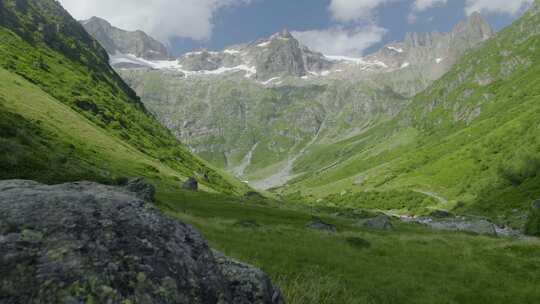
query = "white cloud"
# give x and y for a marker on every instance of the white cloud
(162, 19)
(355, 10)
(339, 41)
(508, 7)
(422, 5)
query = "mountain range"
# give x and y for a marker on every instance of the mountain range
(321, 126)
(292, 98)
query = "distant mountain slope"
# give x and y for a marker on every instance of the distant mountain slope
(117, 41)
(256, 108)
(472, 138)
(44, 45)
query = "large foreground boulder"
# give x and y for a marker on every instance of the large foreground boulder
(141, 188)
(89, 243)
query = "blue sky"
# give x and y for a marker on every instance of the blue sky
(263, 18)
(340, 27)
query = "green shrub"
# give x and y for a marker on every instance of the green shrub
(522, 167)
(533, 223)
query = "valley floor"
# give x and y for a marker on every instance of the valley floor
(410, 264)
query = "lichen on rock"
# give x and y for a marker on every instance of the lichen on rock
(89, 243)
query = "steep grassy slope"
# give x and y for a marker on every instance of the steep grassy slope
(233, 116)
(471, 140)
(46, 47)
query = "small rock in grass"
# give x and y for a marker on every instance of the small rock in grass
(191, 184)
(440, 214)
(318, 224)
(380, 222)
(357, 242)
(247, 224)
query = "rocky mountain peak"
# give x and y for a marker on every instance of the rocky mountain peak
(285, 34)
(433, 50)
(475, 27)
(280, 55)
(118, 41)
(97, 22)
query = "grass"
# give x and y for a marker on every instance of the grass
(475, 144)
(409, 265)
(89, 146)
(71, 69)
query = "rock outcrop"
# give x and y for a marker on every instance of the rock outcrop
(380, 222)
(318, 224)
(89, 243)
(141, 188)
(116, 40)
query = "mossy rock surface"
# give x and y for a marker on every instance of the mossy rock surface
(89, 243)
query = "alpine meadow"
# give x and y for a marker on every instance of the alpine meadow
(144, 159)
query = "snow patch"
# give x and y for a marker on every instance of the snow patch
(264, 44)
(345, 58)
(358, 61)
(193, 54)
(269, 81)
(325, 73)
(439, 60)
(405, 65)
(175, 66)
(395, 49)
(231, 52)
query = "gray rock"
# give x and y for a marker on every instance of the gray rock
(141, 188)
(440, 214)
(191, 184)
(478, 226)
(115, 40)
(380, 222)
(85, 242)
(318, 224)
(246, 283)
(535, 205)
(357, 242)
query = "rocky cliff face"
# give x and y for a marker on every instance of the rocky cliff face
(429, 50)
(278, 56)
(116, 41)
(89, 243)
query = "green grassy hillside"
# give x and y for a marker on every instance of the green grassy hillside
(45, 47)
(410, 264)
(471, 140)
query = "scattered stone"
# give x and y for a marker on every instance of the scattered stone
(191, 184)
(380, 222)
(478, 226)
(441, 214)
(246, 283)
(141, 188)
(253, 195)
(358, 242)
(247, 224)
(318, 224)
(85, 242)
